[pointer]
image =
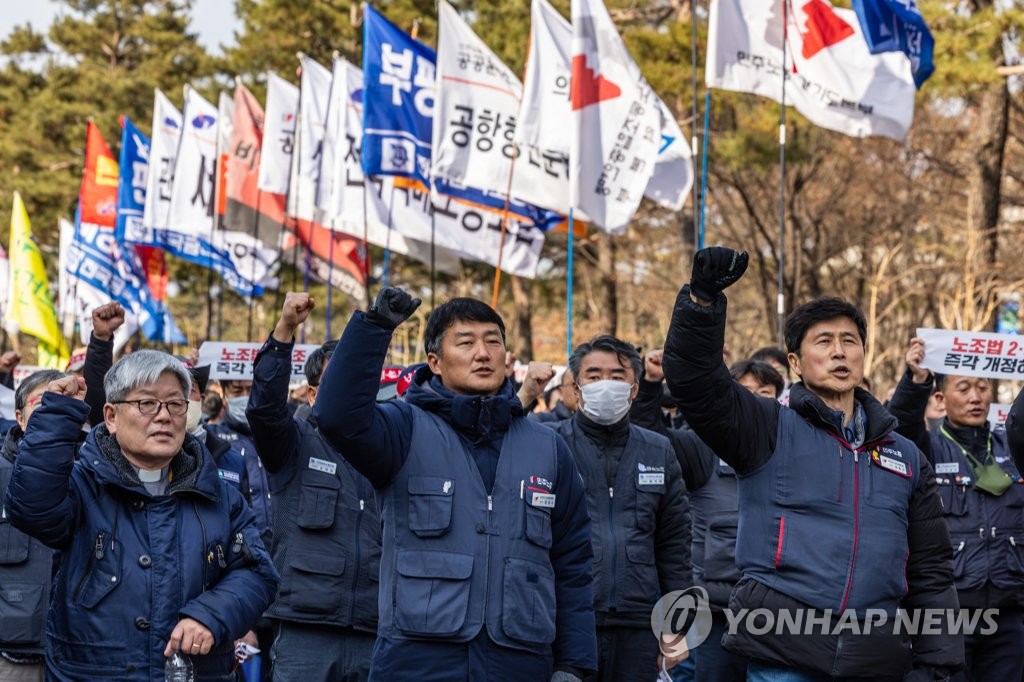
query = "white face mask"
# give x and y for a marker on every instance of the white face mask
(194, 414)
(606, 401)
(236, 408)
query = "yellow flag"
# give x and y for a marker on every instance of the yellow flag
(31, 305)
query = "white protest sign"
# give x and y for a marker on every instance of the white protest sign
(973, 354)
(233, 361)
(997, 414)
(6, 403)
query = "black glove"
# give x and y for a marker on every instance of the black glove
(714, 269)
(392, 307)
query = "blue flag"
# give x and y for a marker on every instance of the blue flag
(897, 26)
(131, 198)
(398, 100)
(398, 117)
(100, 261)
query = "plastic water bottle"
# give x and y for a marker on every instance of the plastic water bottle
(178, 668)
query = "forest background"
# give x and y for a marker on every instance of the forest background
(927, 232)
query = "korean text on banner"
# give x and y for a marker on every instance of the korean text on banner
(973, 354)
(234, 360)
(835, 82)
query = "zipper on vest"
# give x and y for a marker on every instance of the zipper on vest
(856, 529)
(88, 566)
(490, 507)
(356, 564)
(615, 546)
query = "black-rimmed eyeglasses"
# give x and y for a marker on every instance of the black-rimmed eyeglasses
(149, 407)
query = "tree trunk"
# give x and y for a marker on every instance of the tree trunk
(608, 299)
(523, 344)
(985, 174)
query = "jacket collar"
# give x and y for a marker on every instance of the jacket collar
(477, 417)
(879, 423)
(604, 434)
(192, 469)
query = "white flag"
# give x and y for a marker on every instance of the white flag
(475, 119)
(673, 172)
(314, 95)
(278, 135)
(195, 169)
(831, 77)
(162, 151)
(617, 122)
(328, 189)
(545, 109)
(348, 195)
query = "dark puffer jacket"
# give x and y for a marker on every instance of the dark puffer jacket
(132, 565)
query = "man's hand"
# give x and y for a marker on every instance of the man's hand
(538, 374)
(9, 360)
(190, 637)
(915, 356)
(296, 308)
(106, 320)
(392, 307)
(714, 269)
(72, 387)
(673, 651)
(652, 366)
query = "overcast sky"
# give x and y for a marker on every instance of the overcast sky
(213, 20)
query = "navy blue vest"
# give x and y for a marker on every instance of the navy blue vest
(26, 567)
(714, 508)
(456, 558)
(624, 518)
(327, 539)
(987, 532)
(826, 524)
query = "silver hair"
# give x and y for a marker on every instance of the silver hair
(141, 368)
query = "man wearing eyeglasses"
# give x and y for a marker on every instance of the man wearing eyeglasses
(157, 553)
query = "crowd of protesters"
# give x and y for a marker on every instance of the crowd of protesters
(445, 522)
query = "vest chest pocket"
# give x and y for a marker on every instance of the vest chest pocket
(952, 496)
(431, 595)
(430, 505)
(538, 526)
(13, 544)
(650, 486)
(318, 501)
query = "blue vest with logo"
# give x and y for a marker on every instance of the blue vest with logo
(624, 517)
(455, 558)
(714, 508)
(826, 524)
(327, 539)
(987, 532)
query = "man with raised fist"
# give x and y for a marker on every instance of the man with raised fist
(486, 566)
(839, 516)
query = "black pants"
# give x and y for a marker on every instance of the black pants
(999, 656)
(626, 655)
(715, 664)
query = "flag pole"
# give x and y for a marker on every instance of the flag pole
(698, 211)
(255, 245)
(704, 167)
(330, 282)
(568, 285)
(366, 237)
(387, 240)
(781, 293)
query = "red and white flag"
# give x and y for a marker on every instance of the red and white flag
(621, 128)
(831, 77)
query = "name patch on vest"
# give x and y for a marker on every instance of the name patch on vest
(651, 479)
(893, 465)
(323, 465)
(947, 468)
(229, 475)
(543, 500)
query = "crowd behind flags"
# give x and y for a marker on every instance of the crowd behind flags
(439, 156)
